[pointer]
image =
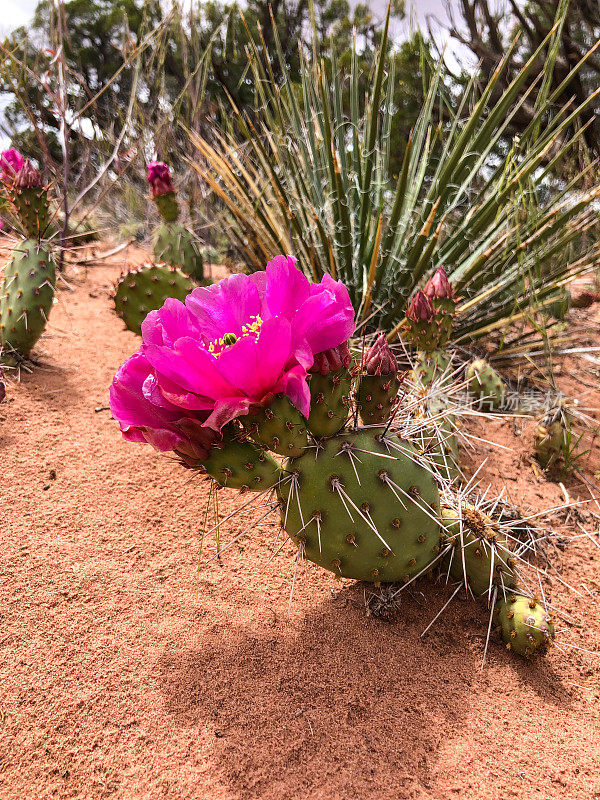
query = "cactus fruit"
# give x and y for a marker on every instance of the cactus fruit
(359, 513)
(551, 438)
(145, 289)
(485, 384)
(378, 383)
(525, 625)
(329, 384)
(479, 551)
(242, 465)
(177, 246)
(439, 290)
(279, 427)
(26, 297)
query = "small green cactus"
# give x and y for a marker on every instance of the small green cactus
(177, 246)
(26, 297)
(485, 385)
(145, 289)
(479, 550)
(525, 625)
(552, 437)
(359, 513)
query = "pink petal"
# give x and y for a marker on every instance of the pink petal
(225, 306)
(287, 287)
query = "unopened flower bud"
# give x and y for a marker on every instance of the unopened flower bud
(332, 360)
(159, 178)
(439, 286)
(421, 308)
(379, 358)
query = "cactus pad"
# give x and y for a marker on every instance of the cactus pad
(31, 205)
(525, 625)
(26, 296)
(242, 465)
(430, 366)
(279, 427)
(482, 547)
(145, 289)
(328, 402)
(359, 513)
(376, 398)
(484, 384)
(551, 438)
(177, 247)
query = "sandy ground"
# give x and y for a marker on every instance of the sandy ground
(127, 672)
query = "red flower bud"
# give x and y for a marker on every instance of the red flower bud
(159, 178)
(28, 177)
(379, 358)
(439, 286)
(332, 360)
(421, 308)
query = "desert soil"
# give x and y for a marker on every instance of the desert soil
(128, 672)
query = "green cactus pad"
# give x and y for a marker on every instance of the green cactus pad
(279, 427)
(145, 289)
(525, 625)
(483, 548)
(167, 206)
(242, 465)
(376, 398)
(439, 443)
(430, 366)
(485, 385)
(343, 508)
(329, 402)
(33, 210)
(26, 297)
(178, 247)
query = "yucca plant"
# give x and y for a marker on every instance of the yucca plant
(309, 178)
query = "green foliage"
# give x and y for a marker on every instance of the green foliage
(315, 180)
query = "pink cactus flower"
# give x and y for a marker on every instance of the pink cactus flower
(421, 308)
(379, 358)
(159, 178)
(145, 416)
(229, 347)
(439, 286)
(11, 161)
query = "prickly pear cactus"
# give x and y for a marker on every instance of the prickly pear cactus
(551, 438)
(485, 384)
(278, 427)
(430, 366)
(525, 625)
(378, 384)
(359, 513)
(177, 246)
(242, 465)
(26, 297)
(145, 289)
(479, 551)
(330, 382)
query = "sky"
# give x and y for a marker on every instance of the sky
(19, 12)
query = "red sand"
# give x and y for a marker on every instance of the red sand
(124, 673)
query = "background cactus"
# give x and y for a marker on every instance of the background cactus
(552, 436)
(145, 289)
(485, 385)
(26, 297)
(172, 243)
